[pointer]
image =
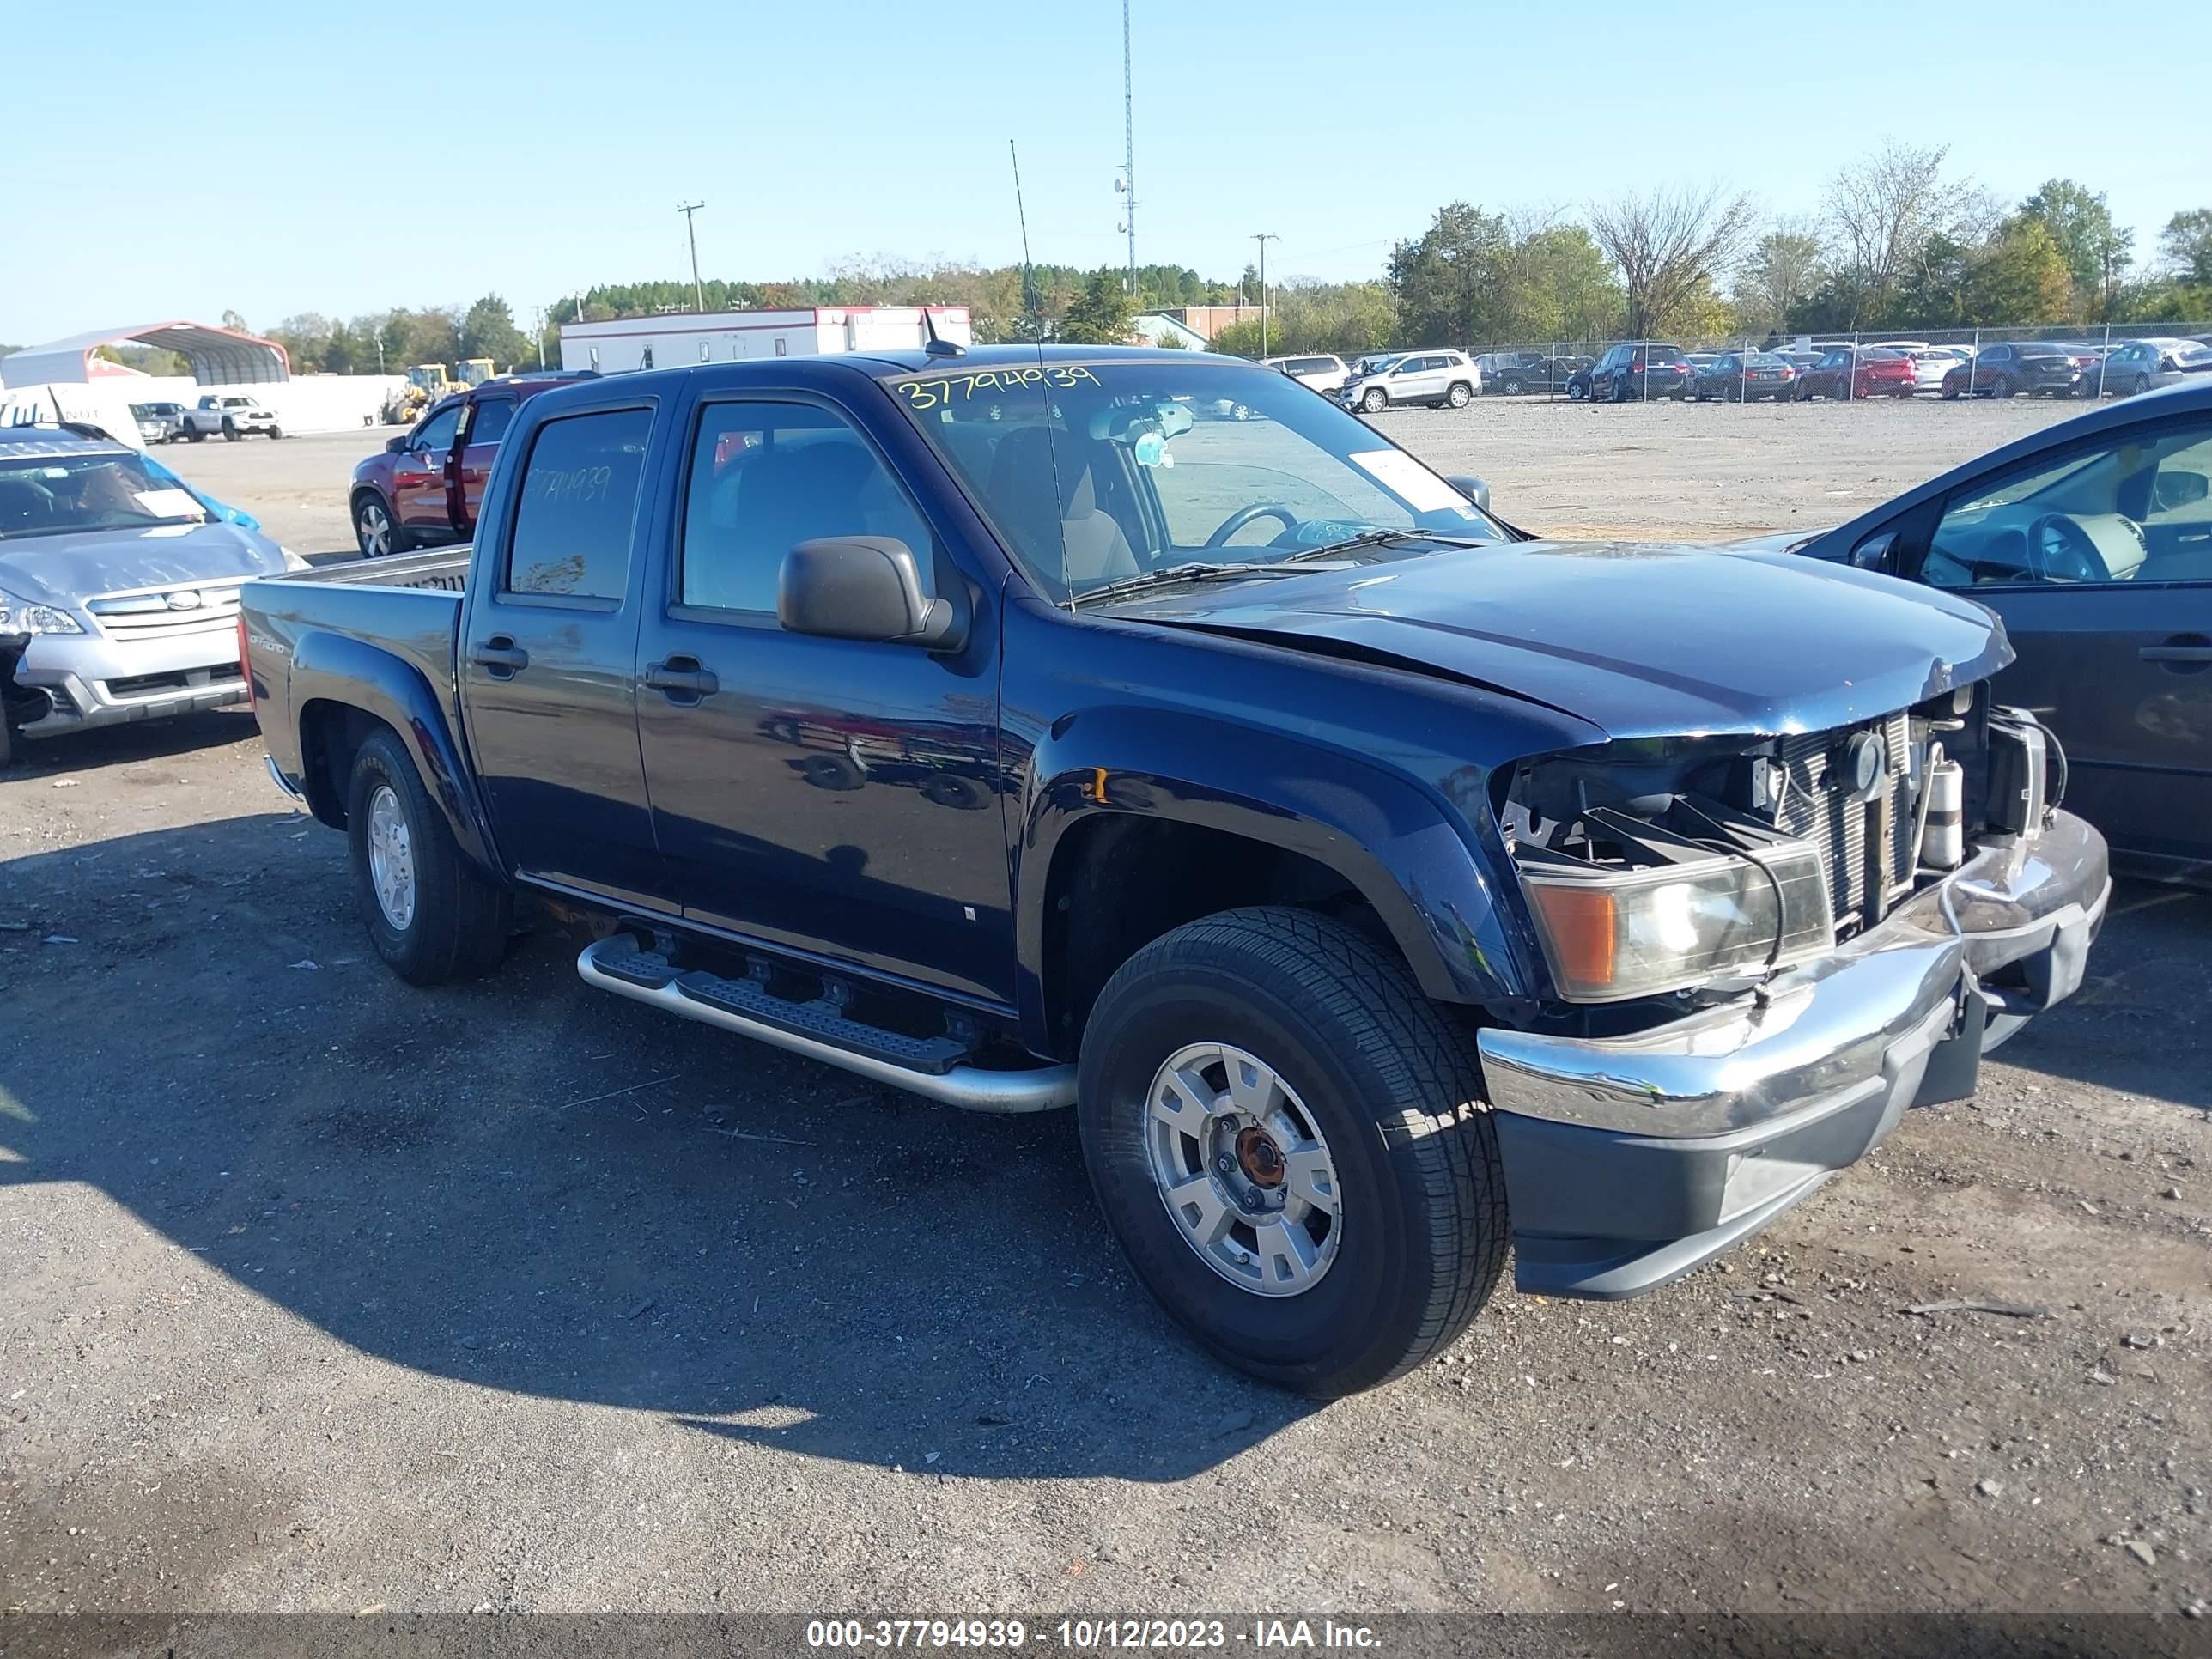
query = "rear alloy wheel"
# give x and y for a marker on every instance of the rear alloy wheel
(430, 914)
(1288, 1140)
(1375, 400)
(1460, 395)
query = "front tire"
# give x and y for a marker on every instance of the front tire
(1375, 401)
(430, 916)
(230, 433)
(1270, 1085)
(2005, 387)
(1513, 388)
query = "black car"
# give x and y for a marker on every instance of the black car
(1745, 377)
(2093, 540)
(2006, 370)
(1519, 372)
(1636, 374)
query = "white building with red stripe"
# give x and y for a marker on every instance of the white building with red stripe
(672, 341)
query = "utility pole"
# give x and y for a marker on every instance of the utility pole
(1129, 147)
(698, 294)
(1264, 237)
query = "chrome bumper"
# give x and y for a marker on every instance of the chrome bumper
(1631, 1160)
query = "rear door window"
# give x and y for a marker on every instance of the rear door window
(491, 422)
(574, 519)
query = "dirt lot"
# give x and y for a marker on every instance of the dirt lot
(323, 1293)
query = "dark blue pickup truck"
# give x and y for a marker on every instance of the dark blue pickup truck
(1139, 732)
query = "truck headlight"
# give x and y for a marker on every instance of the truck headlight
(21, 616)
(1612, 934)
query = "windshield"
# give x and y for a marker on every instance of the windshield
(60, 495)
(1100, 472)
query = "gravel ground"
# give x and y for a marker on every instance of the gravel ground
(323, 1293)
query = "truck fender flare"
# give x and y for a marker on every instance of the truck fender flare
(329, 667)
(1426, 872)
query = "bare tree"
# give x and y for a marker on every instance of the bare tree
(1671, 245)
(1883, 212)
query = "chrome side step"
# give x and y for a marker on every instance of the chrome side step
(616, 964)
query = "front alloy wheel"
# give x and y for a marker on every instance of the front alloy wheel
(1289, 1140)
(371, 528)
(1376, 401)
(1244, 1169)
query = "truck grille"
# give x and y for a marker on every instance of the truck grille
(1866, 847)
(167, 613)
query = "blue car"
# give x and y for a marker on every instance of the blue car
(2093, 540)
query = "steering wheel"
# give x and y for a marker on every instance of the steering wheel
(1245, 515)
(2061, 551)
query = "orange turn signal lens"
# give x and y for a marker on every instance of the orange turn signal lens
(1581, 925)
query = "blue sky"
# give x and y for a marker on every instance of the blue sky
(177, 161)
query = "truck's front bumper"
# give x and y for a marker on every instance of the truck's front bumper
(1631, 1160)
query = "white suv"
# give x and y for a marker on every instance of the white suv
(1326, 375)
(1416, 377)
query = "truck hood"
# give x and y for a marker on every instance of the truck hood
(1638, 640)
(67, 570)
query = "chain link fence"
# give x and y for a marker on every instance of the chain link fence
(2100, 360)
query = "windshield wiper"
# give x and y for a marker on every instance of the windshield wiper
(1387, 539)
(1194, 570)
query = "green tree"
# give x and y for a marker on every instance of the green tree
(2186, 242)
(489, 331)
(1784, 269)
(2096, 251)
(1557, 285)
(1450, 279)
(1101, 316)
(236, 323)
(2020, 276)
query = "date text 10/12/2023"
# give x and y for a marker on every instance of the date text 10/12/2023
(1084, 1635)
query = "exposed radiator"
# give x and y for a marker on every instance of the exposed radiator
(1865, 846)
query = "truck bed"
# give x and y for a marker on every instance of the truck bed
(443, 568)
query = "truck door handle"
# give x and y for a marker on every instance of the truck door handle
(2192, 649)
(682, 679)
(501, 655)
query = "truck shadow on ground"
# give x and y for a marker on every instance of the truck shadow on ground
(524, 1185)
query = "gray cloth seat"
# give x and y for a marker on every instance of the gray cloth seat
(1074, 534)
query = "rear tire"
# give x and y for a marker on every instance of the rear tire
(453, 924)
(1460, 396)
(1375, 1110)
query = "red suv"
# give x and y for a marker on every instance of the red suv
(424, 486)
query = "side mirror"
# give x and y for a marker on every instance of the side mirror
(1471, 487)
(394, 445)
(863, 588)
(2178, 488)
(1874, 553)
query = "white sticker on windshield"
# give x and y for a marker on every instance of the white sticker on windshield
(170, 503)
(1406, 478)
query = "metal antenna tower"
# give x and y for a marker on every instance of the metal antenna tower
(1128, 148)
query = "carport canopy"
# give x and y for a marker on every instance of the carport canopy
(218, 356)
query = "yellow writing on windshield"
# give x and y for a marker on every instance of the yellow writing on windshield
(939, 392)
